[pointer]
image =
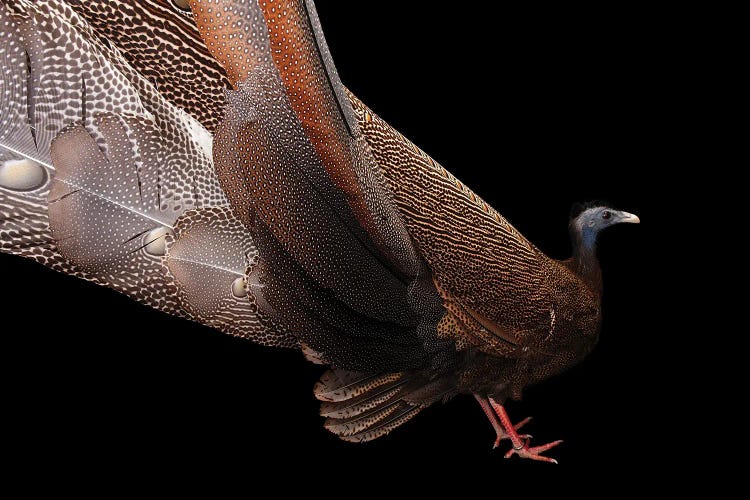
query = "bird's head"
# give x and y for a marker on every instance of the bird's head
(587, 220)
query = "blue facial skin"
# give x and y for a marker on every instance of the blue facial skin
(586, 227)
(592, 220)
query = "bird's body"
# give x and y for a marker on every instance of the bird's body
(502, 295)
(299, 218)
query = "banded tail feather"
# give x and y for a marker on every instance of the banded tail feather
(363, 406)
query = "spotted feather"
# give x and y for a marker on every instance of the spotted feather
(96, 168)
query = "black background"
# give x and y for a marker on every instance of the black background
(533, 108)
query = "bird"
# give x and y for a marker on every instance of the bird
(204, 158)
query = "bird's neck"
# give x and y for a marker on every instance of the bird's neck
(585, 263)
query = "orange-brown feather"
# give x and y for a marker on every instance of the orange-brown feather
(297, 59)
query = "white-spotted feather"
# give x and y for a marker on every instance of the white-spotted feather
(96, 168)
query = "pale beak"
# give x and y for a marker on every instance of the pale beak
(627, 217)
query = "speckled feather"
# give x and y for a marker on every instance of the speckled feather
(208, 258)
(62, 92)
(236, 34)
(499, 295)
(160, 41)
(124, 164)
(343, 238)
(263, 154)
(530, 314)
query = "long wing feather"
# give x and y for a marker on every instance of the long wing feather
(96, 169)
(335, 258)
(278, 38)
(25, 164)
(159, 39)
(50, 90)
(107, 213)
(208, 257)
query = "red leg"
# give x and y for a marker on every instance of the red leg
(521, 445)
(499, 431)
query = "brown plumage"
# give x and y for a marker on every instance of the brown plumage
(511, 315)
(340, 236)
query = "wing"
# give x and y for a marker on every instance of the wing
(97, 170)
(336, 261)
(158, 38)
(493, 281)
(284, 40)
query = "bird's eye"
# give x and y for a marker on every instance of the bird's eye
(606, 214)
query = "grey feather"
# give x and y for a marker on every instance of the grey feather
(208, 257)
(96, 168)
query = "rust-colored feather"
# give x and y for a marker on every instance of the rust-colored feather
(236, 34)
(305, 221)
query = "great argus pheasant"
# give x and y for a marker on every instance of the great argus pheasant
(203, 157)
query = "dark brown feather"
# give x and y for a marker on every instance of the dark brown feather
(292, 165)
(287, 46)
(162, 43)
(322, 271)
(371, 257)
(529, 315)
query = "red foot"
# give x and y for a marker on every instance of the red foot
(505, 429)
(499, 431)
(534, 452)
(505, 435)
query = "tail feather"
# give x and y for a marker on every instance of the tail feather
(360, 423)
(365, 406)
(352, 407)
(342, 385)
(397, 418)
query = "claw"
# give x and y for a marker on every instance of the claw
(499, 430)
(520, 442)
(534, 452)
